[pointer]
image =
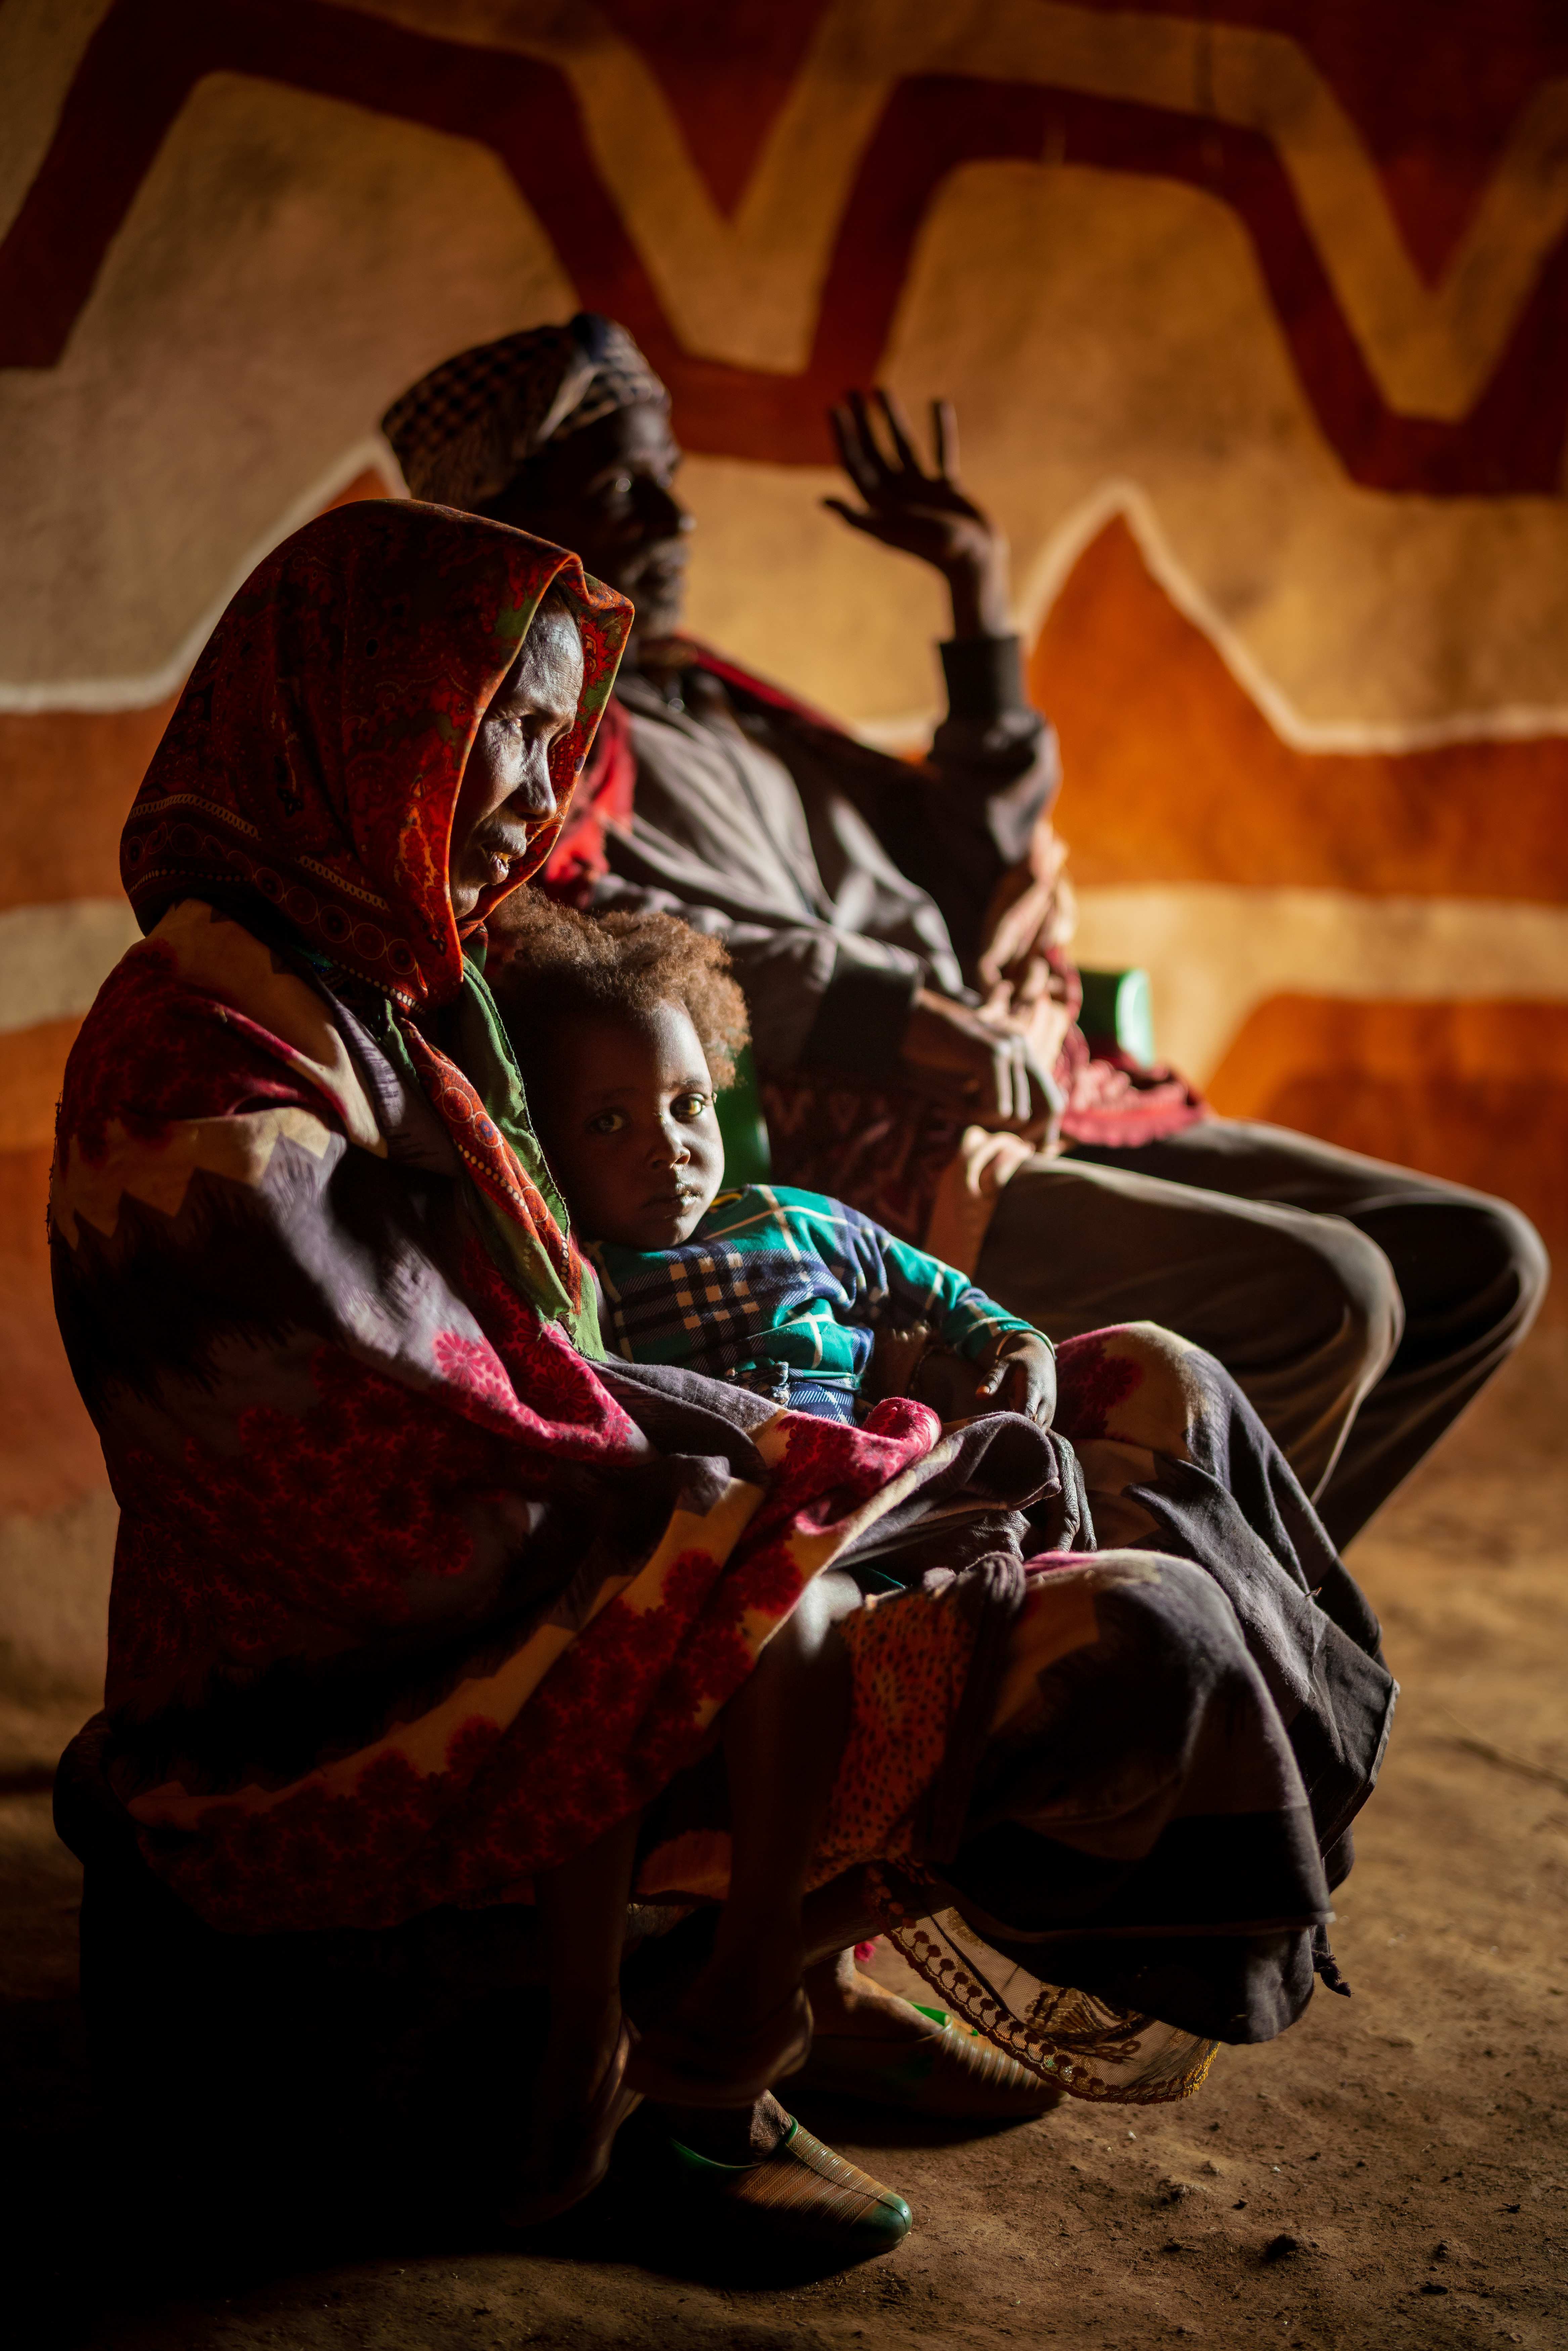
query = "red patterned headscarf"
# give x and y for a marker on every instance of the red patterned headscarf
(313, 766)
(315, 758)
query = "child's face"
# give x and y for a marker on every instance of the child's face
(629, 1128)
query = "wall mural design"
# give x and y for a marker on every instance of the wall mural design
(1485, 421)
(1257, 320)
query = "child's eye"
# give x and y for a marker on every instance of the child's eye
(689, 1106)
(607, 1122)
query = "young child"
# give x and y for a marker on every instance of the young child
(624, 1027)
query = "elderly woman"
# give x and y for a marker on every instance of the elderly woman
(415, 1594)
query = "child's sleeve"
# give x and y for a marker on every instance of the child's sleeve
(913, 1285)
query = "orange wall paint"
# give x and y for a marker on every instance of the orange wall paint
(51, 1453)
(1173, 773)
(32, 1064)
(67, 778)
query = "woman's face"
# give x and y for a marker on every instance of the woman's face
(507, 794)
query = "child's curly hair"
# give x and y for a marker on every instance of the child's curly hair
(553, 965)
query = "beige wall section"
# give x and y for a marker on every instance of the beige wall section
(742, 286)
(54, 959)
(54, 1600)
(1127, 335)
(1214, 952)
(289, 265)
(791, 591)
(291, 262)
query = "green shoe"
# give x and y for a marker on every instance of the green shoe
(803, 2194)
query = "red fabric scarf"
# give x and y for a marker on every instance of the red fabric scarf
(314, 761)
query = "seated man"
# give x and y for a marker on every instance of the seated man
(898, 932)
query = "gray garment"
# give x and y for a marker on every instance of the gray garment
(783, 841)
(1358, 1306)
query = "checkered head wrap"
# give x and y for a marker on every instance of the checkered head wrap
(462, 432)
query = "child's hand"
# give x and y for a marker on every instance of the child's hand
(1020, 1377)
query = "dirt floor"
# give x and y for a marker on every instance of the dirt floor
(1395, 2169)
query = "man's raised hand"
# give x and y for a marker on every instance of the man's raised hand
(924, 513)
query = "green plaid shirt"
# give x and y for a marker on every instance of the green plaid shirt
(786, 1292)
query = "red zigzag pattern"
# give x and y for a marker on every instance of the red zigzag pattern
(147, 56)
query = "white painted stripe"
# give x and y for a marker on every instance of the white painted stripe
(370, 454)
(908, 730)
(911, 730)
(1215, 951)
(54, 959)
(1049, 572)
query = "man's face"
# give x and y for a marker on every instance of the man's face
(507, 795)
(606, 493)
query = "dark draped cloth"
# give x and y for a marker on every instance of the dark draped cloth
(882, 1146)
(413, 1595)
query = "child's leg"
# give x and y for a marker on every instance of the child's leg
(784, 1736)
(583, 1904)
(746, 2018)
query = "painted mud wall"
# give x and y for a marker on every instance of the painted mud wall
(1257, 319)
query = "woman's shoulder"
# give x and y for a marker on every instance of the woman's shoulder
(203, 1019)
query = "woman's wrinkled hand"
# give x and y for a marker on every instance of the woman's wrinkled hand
(969, 1058)
(923, 513)
(1020, 1377)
